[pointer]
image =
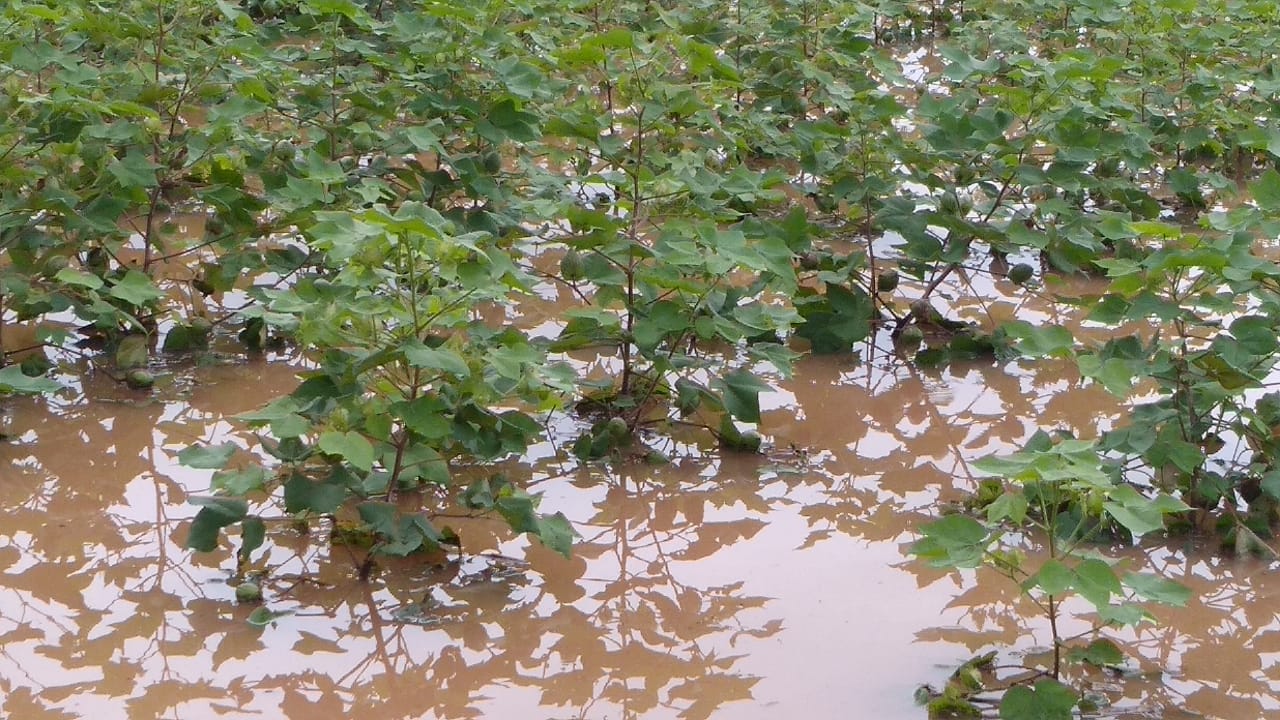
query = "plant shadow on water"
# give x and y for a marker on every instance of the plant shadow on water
(696, 585)
(719, 585)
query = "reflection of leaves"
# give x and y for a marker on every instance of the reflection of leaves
(708, 693)
(713, 536)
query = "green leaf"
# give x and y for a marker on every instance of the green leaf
(302, 494)
(518, 511)
(1048, 700)
(1138, 513)
(253, 533)
(953, 541)
(556, 533)
(1101, 652)
(136, 289)
(1266, 191)
(182, 338)
(350, 445)
(1256, 334)
(275, 410)
(381, 517)
(1096, 581)
(215, 514)
(960, 65)
(1054, 578)
(1011, 505)
(1046, 341)
(1135, 519)
(506, 121)
(1271, 484)
(478, 495)
(428, 416)
(836, 320)
(742, 394)
(441, 359)
(1157, 589)
(71, 276)
(135, 171)
(240, 482)
(290, 426)
(207, 457)
(14, 382)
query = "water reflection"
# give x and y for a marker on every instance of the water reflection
(713, 587)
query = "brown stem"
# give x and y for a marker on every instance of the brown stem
(1057, 643)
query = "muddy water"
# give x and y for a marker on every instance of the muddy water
(715, 587)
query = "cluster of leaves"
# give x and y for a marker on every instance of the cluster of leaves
(1066, 491)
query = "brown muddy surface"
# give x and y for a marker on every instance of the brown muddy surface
(729, 587)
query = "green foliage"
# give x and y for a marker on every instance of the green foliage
(1047, 700)
(1065, 491)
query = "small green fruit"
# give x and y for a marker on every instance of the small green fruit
(492, 162)
(55, 263)
(35, 365)
(572, 267)
(139, 379)
(887, 281)
(616, 428)
(248, 592)
(1020, 273)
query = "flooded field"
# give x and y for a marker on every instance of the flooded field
(745, 294)
(718, 586)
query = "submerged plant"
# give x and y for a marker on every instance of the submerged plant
(408, 389)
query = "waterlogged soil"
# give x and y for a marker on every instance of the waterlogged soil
(717, 586)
